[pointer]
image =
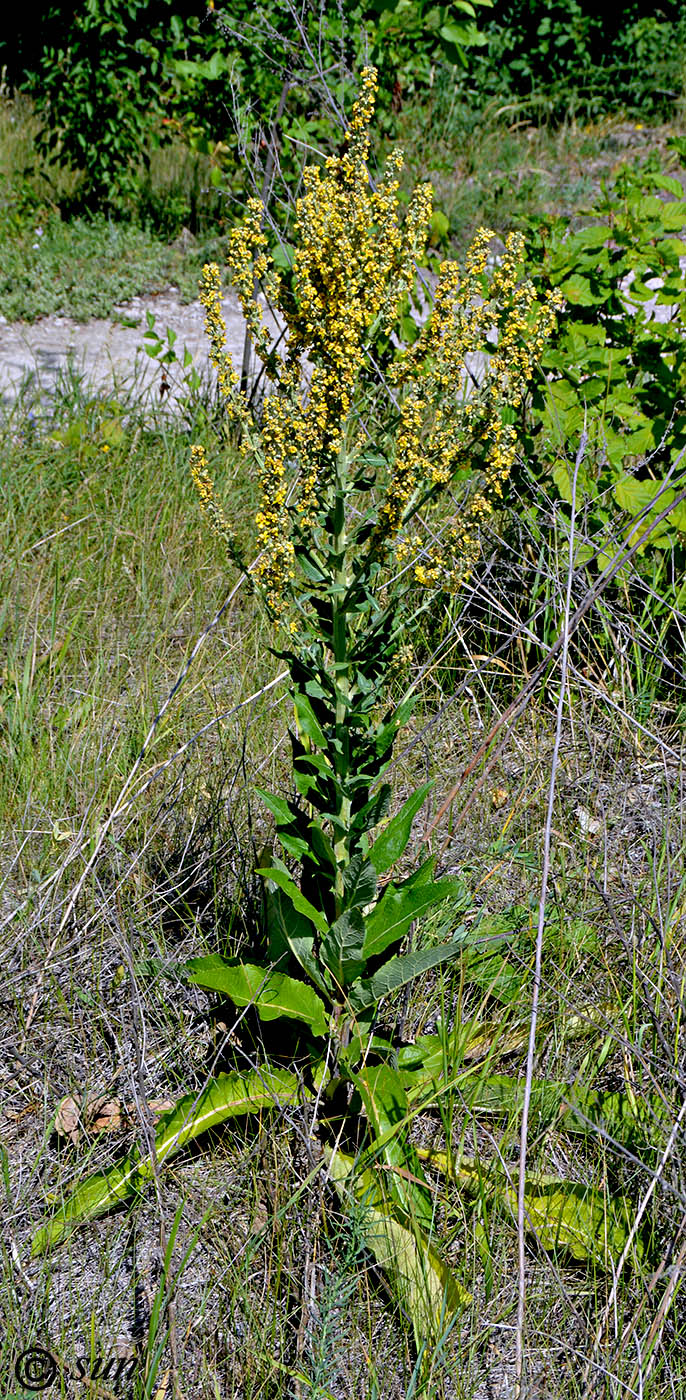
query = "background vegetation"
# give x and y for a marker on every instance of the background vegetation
(130, 134)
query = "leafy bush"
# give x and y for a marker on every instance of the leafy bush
(97, 92)
(584, 57)
(618, 361)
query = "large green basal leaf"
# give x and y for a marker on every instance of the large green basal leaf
(570, 1216)
(576, 1219)
(273, 994)
(227, 1096)
(386, 1105)
(425, 1288)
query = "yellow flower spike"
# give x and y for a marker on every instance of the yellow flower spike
(355, 258)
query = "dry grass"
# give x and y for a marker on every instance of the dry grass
(239, 1269)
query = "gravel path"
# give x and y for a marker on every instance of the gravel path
(110, 353)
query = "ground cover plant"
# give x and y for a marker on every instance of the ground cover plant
(401, 1183)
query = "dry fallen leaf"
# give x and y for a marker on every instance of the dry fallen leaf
(588, 824)
(102, 1115)
(67, 1119)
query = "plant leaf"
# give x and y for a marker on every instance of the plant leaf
(398, 971)
(390, 919)
(281, 878)
(425, 1288)
(227, 1096)
(386, 1106)
(290, 930)
(272, 993)
(308, 724)
(341, 947)
(575, 1218)
(360, 882)
(391, 843)
(567, 1215)
(278, 806)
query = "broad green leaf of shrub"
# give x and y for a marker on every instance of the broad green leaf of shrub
(578, 290)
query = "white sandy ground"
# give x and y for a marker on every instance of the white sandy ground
(109, 354)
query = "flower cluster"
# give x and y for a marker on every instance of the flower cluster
(455, 405)
(356, 259)
(205, 488)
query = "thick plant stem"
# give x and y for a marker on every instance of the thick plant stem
(341, 678)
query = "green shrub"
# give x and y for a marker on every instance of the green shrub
(616, 365)
(584, 57)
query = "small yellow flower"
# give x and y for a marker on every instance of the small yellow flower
(355, 261)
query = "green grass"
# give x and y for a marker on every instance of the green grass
(102, 600)
(84, 268)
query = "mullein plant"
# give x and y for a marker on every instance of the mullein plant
(357, 530)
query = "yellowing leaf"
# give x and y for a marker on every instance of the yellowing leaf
(425, 1288)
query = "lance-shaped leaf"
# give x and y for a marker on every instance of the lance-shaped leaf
(341, 947)
(390, 919)
(272, 993)
(397, 972)
(280, 876)
(227, 1096)
(386, 1106)
(360, 882)
(278, 806)
(308, 723)
(290, 930)
(425, 1288)
(562, 1215)
(391, 843)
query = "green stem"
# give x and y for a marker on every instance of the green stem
(341, 677)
